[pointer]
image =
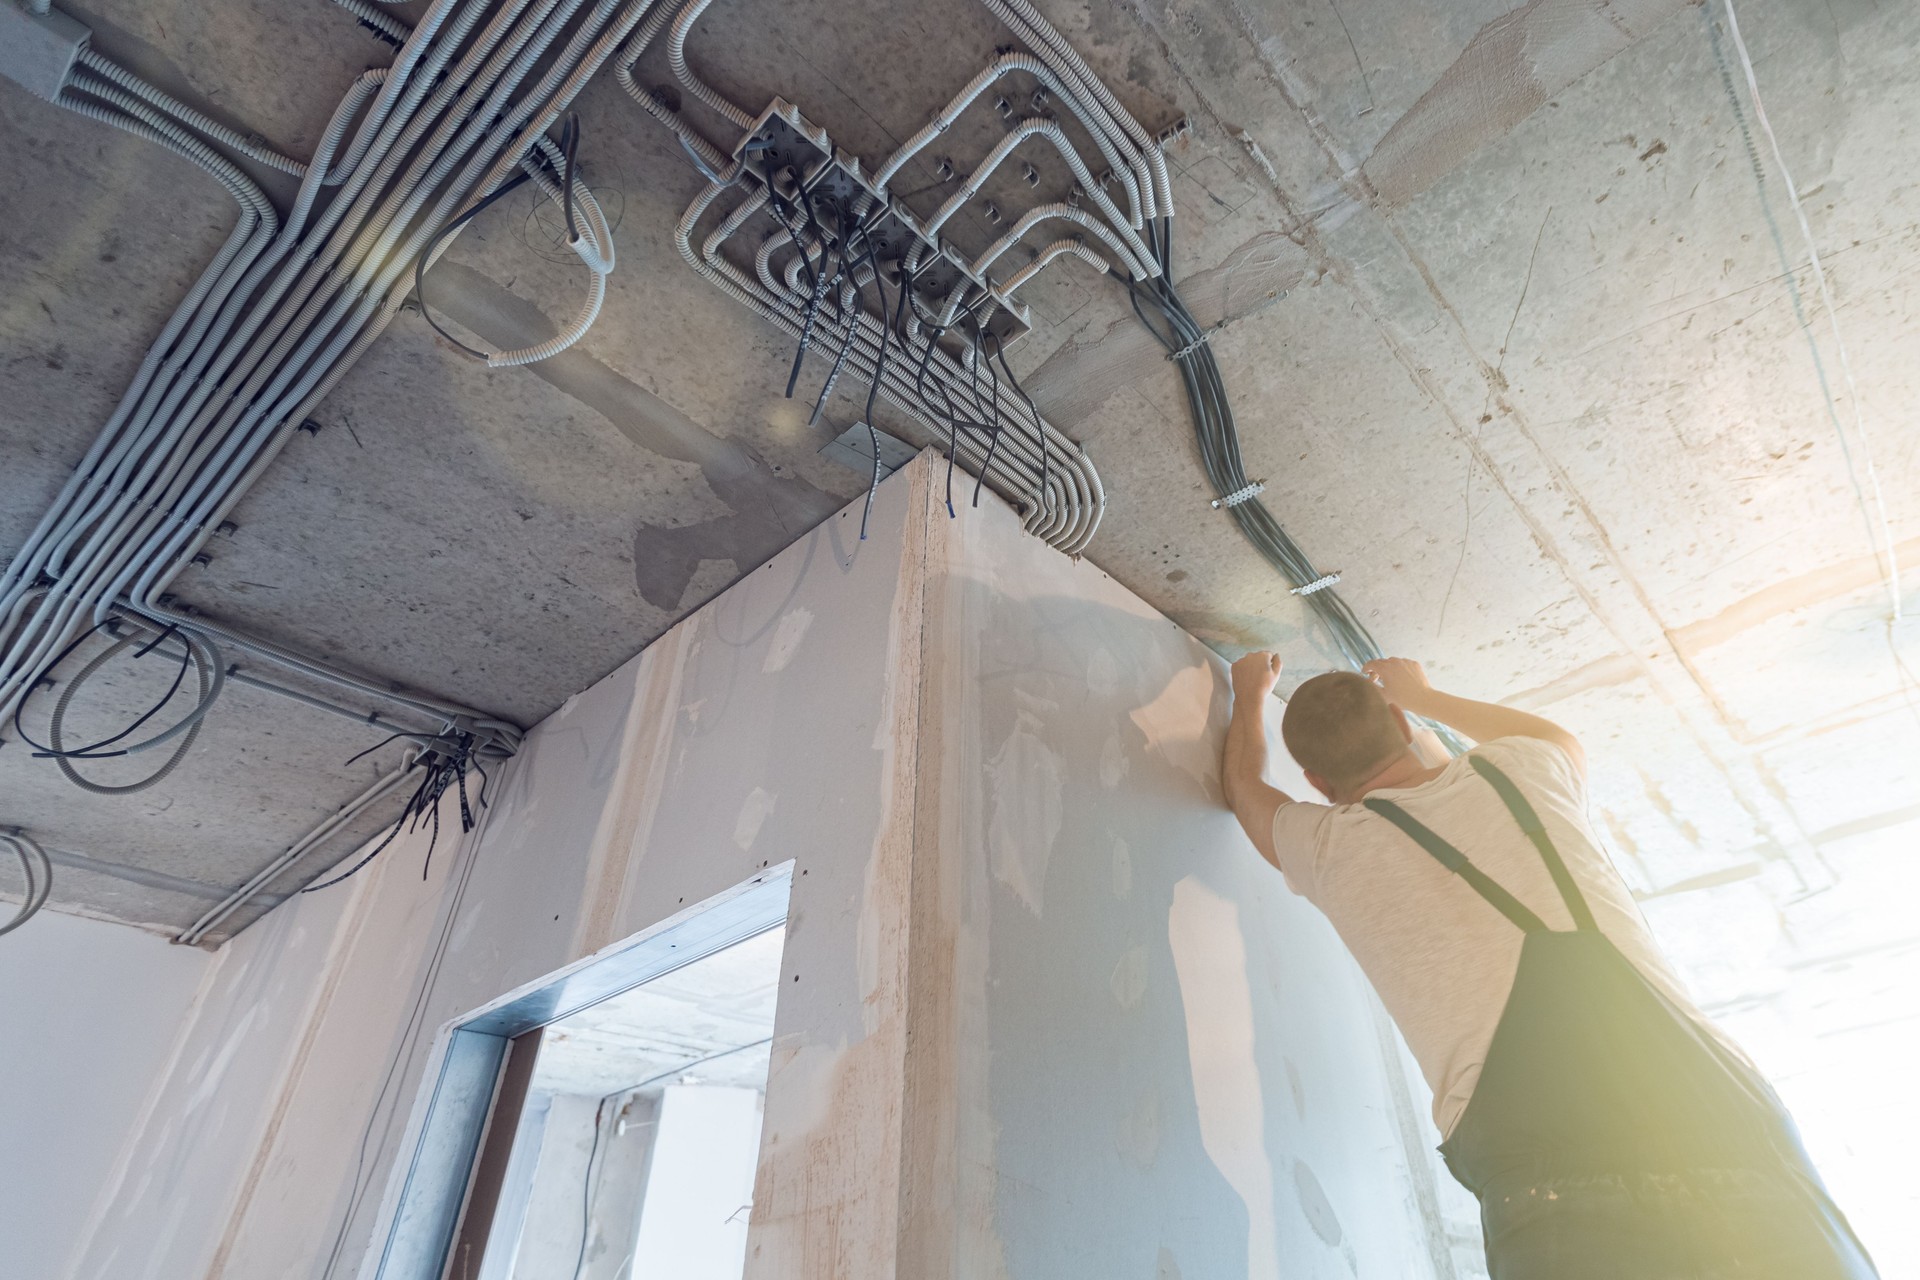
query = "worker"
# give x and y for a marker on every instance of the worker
(1609, 1131)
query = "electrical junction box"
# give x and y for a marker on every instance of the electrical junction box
(37, 50)
(782, 146)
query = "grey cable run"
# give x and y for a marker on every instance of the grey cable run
(206, 661)
(384, 25)
(251, 147)
(1218, 436)
(371, 719)
(260, 879)
(506, 734)
(37, 869)
(285, 309)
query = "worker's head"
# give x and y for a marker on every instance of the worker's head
(1341, 730)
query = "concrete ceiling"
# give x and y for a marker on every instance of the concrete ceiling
(1515, 315)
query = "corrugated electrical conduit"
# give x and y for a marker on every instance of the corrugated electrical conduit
(285, 308)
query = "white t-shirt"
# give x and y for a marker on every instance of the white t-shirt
(1441, 957)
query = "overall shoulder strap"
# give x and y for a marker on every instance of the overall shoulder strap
(1522, 810)
(1455, 861)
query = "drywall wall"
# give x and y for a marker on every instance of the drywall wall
(89, 1012)
(771, 726)
(1043, 1012)
(1161, 1063)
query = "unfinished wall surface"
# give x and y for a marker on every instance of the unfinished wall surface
(1043, 1011)
(765, 728)
(1161, 1062)
(88, 1015)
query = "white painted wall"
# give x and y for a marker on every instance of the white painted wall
(89, 1013)
(1131, 1052)
(693, 1221)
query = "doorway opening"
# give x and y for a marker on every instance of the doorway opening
(638, 1129)
(604, 1123)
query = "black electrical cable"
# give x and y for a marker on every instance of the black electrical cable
(586, 1193)
(787, 221)
(92, 751)
(569, 147)
(1039, 429)
(445, 763)
(823, 281)
(852, 272)
(1218, 437)
(993, 437)
(199, 653)
(426, 256)
(887, 326)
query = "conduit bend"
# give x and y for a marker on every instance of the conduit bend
(1072, 213)
(1070, 520)
(1076, 247)
(282, 312)
(677, 59)
(994, 71)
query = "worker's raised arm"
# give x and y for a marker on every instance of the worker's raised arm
(1405, 683)
(1243, 765)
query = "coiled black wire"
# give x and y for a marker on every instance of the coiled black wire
(209, 670)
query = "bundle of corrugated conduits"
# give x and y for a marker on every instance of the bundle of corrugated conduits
(288, 305)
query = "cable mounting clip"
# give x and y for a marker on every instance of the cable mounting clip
(1245, 493)
(1206, 336)
(1320, 583)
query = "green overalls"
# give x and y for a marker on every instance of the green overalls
(1610, 1137)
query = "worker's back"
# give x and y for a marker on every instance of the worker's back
(1440, 956)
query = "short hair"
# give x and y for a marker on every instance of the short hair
(1341, 726)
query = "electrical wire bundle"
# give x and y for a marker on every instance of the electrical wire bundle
(1157, 303)
(197, 652)
(444, 762)
(1160, 309)
(932, 355)
(1138, 249)
(288, 305)
(841, 262)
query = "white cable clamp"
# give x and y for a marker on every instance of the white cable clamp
(1320, 583)
(1206, 336)
(1244, 493)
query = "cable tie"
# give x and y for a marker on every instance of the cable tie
(1245, 493)
(1206, 336)
(1320, 583)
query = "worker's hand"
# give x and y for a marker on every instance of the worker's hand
(1403, 680)
(1254, 675)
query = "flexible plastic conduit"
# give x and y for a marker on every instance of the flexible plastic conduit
(1066, 515)
(38, 871)
(285, 309)
(1060, 496)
